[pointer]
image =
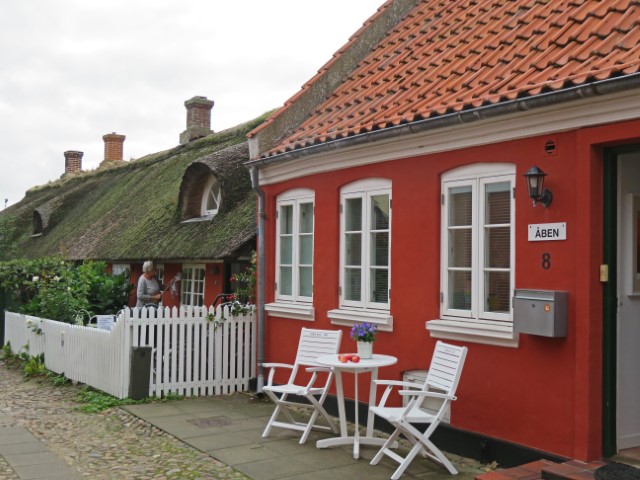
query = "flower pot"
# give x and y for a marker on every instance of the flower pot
(365, 349)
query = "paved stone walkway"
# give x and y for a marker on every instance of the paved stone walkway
(43, 435)
(230, 428)
(65, 443)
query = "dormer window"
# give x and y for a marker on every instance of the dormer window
(38, 224)
(212, 197)
(212, 186)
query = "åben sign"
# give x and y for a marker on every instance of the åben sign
(540, 232)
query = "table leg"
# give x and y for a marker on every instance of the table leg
(372, 402)
(341, 412)
(356, 433)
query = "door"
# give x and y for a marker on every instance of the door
(628, 298)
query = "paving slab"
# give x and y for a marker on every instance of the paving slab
(18, 448)
(34, 458)
(44, 471)
(29, 457)
(243, 454)
(274, 468)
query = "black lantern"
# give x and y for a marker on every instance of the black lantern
(535, 185)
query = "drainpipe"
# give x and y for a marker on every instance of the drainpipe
(255, 184)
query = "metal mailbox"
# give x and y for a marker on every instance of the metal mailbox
(540, 312)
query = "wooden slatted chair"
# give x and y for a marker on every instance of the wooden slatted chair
(441, 384)
(313, 344)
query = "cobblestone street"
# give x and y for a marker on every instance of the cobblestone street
(109, 445)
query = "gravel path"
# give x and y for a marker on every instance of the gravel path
(109, 445)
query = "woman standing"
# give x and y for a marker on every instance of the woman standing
(148, 286)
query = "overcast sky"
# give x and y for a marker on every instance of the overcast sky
(73, 70)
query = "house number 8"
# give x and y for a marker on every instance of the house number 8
(546, 261)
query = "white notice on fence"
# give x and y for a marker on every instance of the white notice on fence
(540, 232)
(104, 322)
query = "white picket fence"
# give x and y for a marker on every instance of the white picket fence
(191, 353)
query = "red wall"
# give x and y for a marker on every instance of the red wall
(545, 394)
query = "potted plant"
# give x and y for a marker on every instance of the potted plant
(365, 335)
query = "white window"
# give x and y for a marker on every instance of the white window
(212, 197)
(294, 247)
(477, 256)
(294, 255)
(120, 268)
(365, 252)
(160, 272)
(192, 285)
(160, 277)
(365, 245)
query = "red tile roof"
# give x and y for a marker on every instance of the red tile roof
(452, 55)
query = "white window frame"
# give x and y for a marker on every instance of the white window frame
(120, 268)
(159, 272)
(205, 197)
(475, 325)
(295, 305)
(187, 280)
(351, 311)
(160, 276)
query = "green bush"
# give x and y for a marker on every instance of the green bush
(59, 290)
(34, 366)
(244, 283)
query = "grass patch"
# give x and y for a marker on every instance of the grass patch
(96, 401)
(57, 380)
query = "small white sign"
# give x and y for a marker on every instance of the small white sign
(104, 322)
(541, 232)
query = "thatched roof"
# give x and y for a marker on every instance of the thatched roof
(134, 211)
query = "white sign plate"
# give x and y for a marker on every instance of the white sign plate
(105, 322)
(543, 232)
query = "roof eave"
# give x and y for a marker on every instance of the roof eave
(601, 87)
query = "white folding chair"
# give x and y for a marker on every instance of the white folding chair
(441, 384)
(313, 344)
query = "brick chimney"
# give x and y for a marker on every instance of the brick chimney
(72, 162)
(113, 147)
(198, 119)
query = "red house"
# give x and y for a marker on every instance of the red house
(394, 191)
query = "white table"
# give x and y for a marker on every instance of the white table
(364, 365)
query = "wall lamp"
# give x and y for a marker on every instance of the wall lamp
(535, 185)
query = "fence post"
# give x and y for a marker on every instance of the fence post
(6, 301)
(140, 362)
(126, 343)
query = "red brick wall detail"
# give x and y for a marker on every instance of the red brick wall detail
(72, 161)
(113, 146)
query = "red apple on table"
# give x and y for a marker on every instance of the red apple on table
(344, 358)
(355, 358)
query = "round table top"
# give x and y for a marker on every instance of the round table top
(378, 360)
